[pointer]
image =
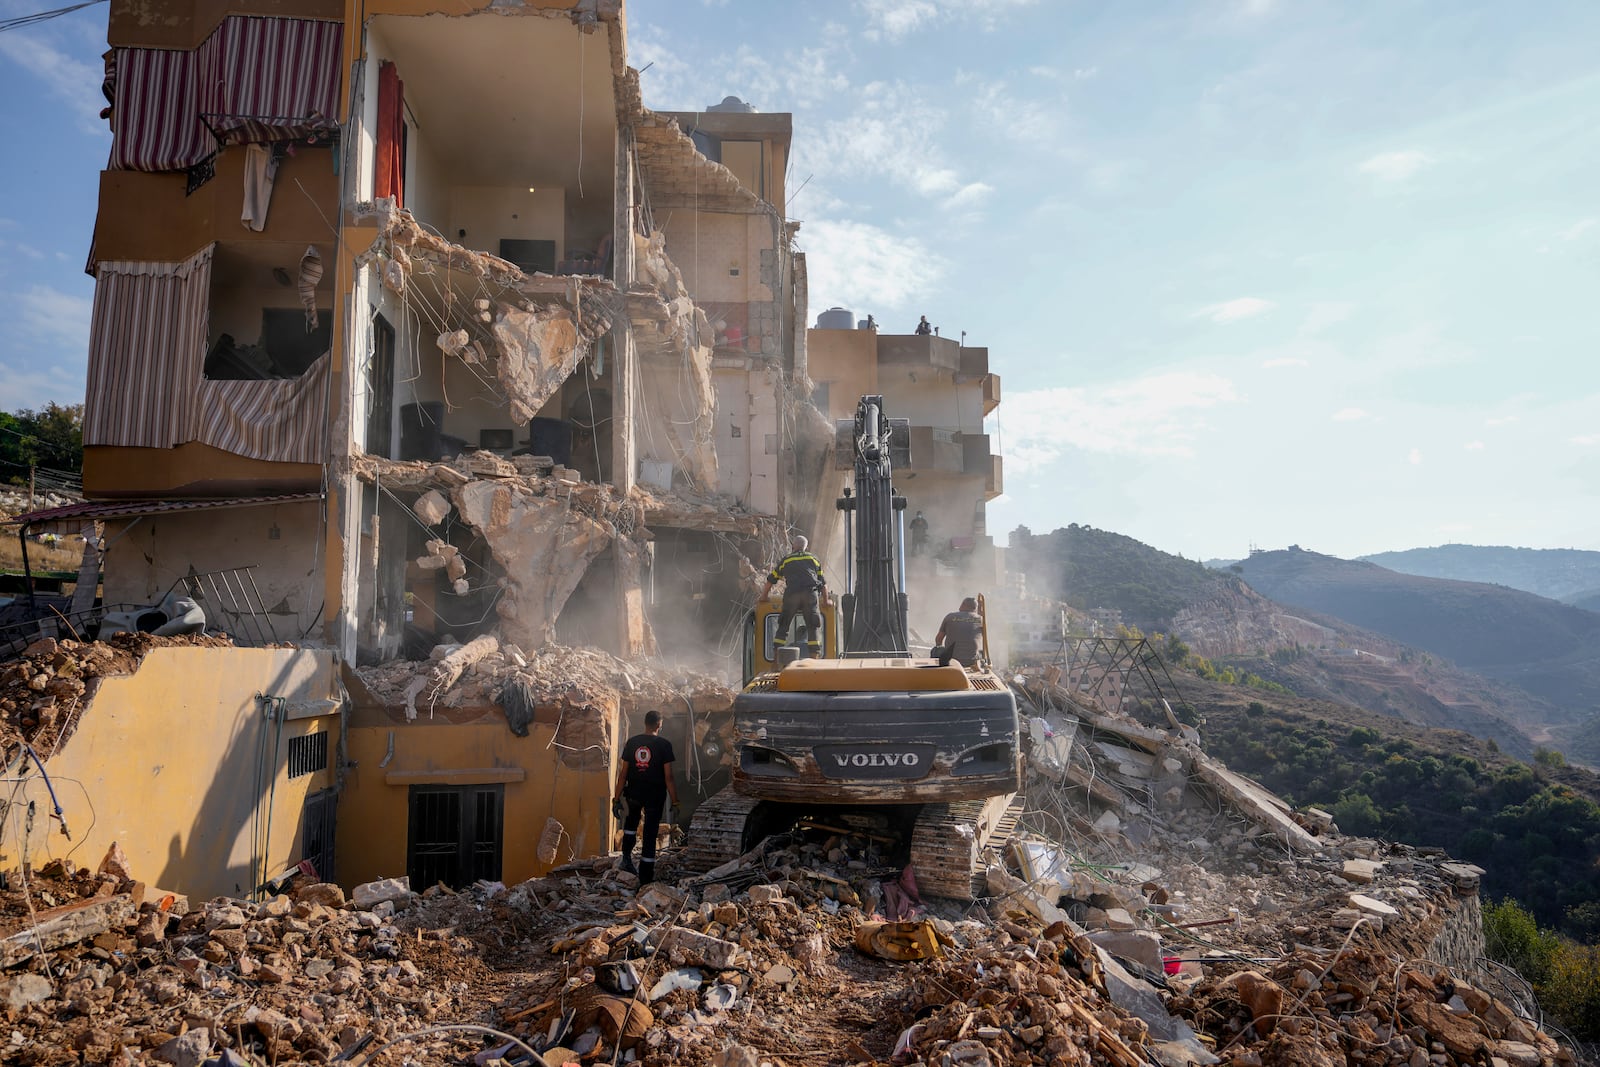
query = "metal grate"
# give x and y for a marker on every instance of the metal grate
(308, 754)
(455, 834)
(317, 823)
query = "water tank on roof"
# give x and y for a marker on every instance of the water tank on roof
(732, 103)
(837, 319)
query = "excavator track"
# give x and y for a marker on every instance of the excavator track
(948, 843)
(716, 833)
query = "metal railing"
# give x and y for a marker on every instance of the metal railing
(230, 599)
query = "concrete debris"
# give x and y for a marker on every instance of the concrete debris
(431, 507)
(764, 965)
(583, 693)
(538, 333)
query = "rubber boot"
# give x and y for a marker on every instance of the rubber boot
(627, 863)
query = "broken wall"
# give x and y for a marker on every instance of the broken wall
(146, 556)
(177, 764)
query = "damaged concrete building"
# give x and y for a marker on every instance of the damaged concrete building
(494, 361)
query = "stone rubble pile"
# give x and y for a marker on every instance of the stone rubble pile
(1131, 921)
(788, 959)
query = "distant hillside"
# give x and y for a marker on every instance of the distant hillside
(1547, 648)
(1091, 568)
(1588, 600)
(1556, 573)
(1313, 654)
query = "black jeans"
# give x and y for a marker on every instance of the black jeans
(802, 602)
(645, 803)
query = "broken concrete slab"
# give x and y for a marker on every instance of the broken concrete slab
(66, 925)
(686, 946)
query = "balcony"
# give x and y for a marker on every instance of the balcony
(991, 393)
(934, 449)
(995, 483)
(974, 363)
(920, 351)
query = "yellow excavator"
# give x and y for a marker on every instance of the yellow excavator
(921, 751)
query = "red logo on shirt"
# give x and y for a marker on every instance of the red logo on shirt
(641, 757)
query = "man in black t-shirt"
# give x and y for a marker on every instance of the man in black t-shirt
(960, 632)
(644, 778)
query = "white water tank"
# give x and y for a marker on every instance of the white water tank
(837, 319)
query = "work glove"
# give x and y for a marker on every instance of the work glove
(619, 807)
(670, 816)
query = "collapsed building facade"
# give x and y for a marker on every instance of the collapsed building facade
(416, 335)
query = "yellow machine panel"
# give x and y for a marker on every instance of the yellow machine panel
(871, 676)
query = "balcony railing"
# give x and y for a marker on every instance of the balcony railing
(995, 483)
(991, 392)
(974, 362)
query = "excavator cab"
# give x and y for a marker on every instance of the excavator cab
(762, 640)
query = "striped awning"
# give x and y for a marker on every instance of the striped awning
(146, 383)
(253, 80)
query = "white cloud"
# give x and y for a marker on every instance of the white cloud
(51, 317)
(1083, 74)
(70, 79)
(897, 18)
(1500, 420)
(1414, 457)
(1157, 415)
(1395, 167)
(858, 265)
(1284, 361)
(1587, 440)
(1473, 446)
(1578, 229)
(893, 133)
(1244, 307)
(1350, 415)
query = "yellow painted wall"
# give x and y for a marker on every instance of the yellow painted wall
(164, 763)
(373, 812)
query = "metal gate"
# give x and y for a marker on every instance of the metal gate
(316, 831)
(454, 834)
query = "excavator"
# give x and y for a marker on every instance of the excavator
(918, 752)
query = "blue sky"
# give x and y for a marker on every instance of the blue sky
(1253, 271)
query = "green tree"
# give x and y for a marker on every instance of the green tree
(1355, 813)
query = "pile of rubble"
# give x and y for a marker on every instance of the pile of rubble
(783, 958)
(43, 691)
(1151, 914)
(479, 673)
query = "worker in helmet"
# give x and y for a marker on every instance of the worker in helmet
(803, 588)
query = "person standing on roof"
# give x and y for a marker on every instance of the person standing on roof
(644, 784)
(803, 585)
(960, 630)
(924, 328)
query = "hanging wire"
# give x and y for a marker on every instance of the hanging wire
(37, 17)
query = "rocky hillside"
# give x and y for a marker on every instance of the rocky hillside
(1552, 650)
(1089, 568)
(1556, 573)
(1310, 651)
